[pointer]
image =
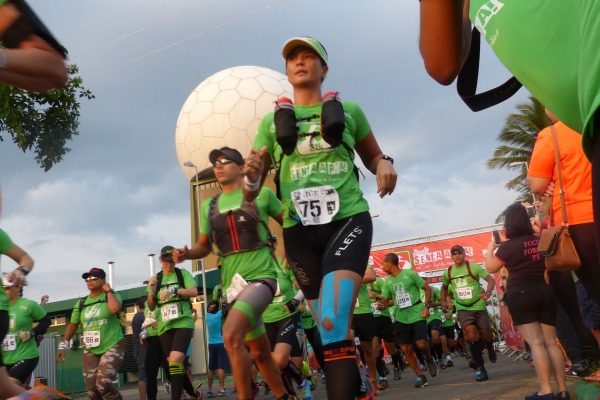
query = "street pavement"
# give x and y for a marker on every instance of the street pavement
(509, 380)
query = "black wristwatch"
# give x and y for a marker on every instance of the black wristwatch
(111, 291)
(388, 158)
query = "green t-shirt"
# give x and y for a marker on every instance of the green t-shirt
(363, 301)
(558, 66)
(377, 288)
(434, 312)
(314, 164)
(275, 311)
(251, 265)
(466, 290)
(101, 329)
(173, 314)
(405, 290)
(22, 313)
(5, 244)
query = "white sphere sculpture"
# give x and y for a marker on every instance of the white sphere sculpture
(225, 110)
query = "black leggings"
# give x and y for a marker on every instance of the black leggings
(155, 358)
(585, 244)
(566, 294)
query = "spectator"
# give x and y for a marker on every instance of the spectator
(217, 356)
(140, 345)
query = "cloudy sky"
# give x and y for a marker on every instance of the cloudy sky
(120, 194)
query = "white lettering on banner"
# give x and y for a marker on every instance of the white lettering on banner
(425, 256)
(485, 14)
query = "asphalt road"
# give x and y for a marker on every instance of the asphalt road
(508, 380)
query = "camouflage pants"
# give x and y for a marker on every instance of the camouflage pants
(99, 372)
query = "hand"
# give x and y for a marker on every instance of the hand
(386, 178)
(60, 356)
(291, 305)
(484, 296)
(180, 255)
(17, 277)
(152, 283)
(425, 313)
(106, 287)
(164, 294)
(25, 336)
(549, 190)
(254, 164)
(380, 306)
(154, 324)
(44, 299)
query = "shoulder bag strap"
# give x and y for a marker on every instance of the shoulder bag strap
(563, 206)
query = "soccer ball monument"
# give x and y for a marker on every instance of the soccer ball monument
(225, 110)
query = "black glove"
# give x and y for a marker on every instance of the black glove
(292, 305)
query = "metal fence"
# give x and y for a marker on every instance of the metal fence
(46, 367)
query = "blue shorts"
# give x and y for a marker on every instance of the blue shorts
(140, 361)
(217, 357)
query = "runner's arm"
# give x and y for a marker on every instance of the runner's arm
(369, 276)
(444, 37)
(372, 157)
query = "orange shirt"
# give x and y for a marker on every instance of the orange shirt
(576, 173)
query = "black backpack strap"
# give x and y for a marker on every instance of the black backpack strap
(466, 85)
(211, 207)
(81, 302)
(159, 277)
(180, 278)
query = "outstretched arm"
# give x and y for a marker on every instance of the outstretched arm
(445, 37)
(371, 156)
(34, 65)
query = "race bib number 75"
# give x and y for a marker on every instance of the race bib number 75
(316, 205)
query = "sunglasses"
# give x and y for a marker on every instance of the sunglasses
(6, 287)
(457, 253)
(91, 278)
(222, 162)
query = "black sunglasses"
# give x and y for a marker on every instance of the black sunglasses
(222, 162)
(91, 278)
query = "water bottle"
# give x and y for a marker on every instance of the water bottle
(286, 131)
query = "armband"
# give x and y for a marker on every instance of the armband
(22, 268)
(251, 187)
(62, 345)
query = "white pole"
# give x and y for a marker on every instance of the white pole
(151, 261)
(110, 273)
(202, 268)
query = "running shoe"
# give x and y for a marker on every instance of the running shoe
(224, 393)
(432, 366)
(449, 363)
(492, 355)
(167, 387)
(536, 396)
(397, 374)
(421, 381)
(210, 394)
(423, 367)
(199, 391)
(313, 382)
(481, 376)
(367, 392)
(383, 384)
(562, 396)
(323, 380)
(472, 364)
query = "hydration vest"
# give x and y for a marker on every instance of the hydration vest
(236, 231)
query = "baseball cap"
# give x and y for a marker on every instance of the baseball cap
(306, 41)
(99, 272)
(166, 253)
(457, 247)
(227, 152)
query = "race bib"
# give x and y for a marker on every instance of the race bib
(169, 311)
(464, 293)
(316, 205)
(431, 310)
(443, 318)
(376, 311)
(91, 339)
(403, 300)
(357, 304)
(9, 343)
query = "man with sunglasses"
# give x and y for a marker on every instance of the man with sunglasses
(237, 231)
(462, 278)
(98, 314)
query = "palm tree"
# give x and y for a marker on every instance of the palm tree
(517, 138)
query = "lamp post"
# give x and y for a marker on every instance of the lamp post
(200, 262)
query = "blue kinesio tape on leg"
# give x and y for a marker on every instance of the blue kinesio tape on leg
(344, 306)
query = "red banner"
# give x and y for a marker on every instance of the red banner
(435, 255)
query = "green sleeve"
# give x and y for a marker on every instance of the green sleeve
(75, 318)
(37, 312)
(273, 205)
(188, 279)
(5, 242)
(263, 136)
